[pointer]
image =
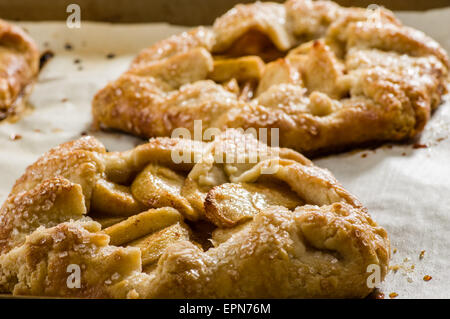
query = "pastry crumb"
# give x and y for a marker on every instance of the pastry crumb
(422, 254)
(393, 295)
(418, 145)
(394, 268)
(15, 137)
(45, 57)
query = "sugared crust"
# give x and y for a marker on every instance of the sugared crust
(41, 265)
(289, 249)
(320, 248)
(79, 161)
(335, 78)
(19, 66)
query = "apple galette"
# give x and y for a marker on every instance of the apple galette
(327, 77)
(231, 218)
(19, 66)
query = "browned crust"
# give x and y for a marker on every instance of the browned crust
(19, 66)
(365, 66)
(316, 243)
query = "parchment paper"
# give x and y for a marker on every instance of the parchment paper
(407, 190)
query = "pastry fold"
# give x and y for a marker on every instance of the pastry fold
(329, 78)
(233, 219)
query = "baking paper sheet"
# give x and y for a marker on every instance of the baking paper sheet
(406, 190)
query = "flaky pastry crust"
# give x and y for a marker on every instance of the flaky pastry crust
(233, 219)
(327, 77)
(19, 66)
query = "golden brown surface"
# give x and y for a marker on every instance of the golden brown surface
(328, 77)
(19, 66)
(265, 222)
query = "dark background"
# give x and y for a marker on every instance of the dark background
(184, 12)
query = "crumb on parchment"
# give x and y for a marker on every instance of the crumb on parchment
(393, 295)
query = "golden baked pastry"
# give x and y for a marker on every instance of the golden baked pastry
(232, 219)
(19, 66)
(329, 78)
